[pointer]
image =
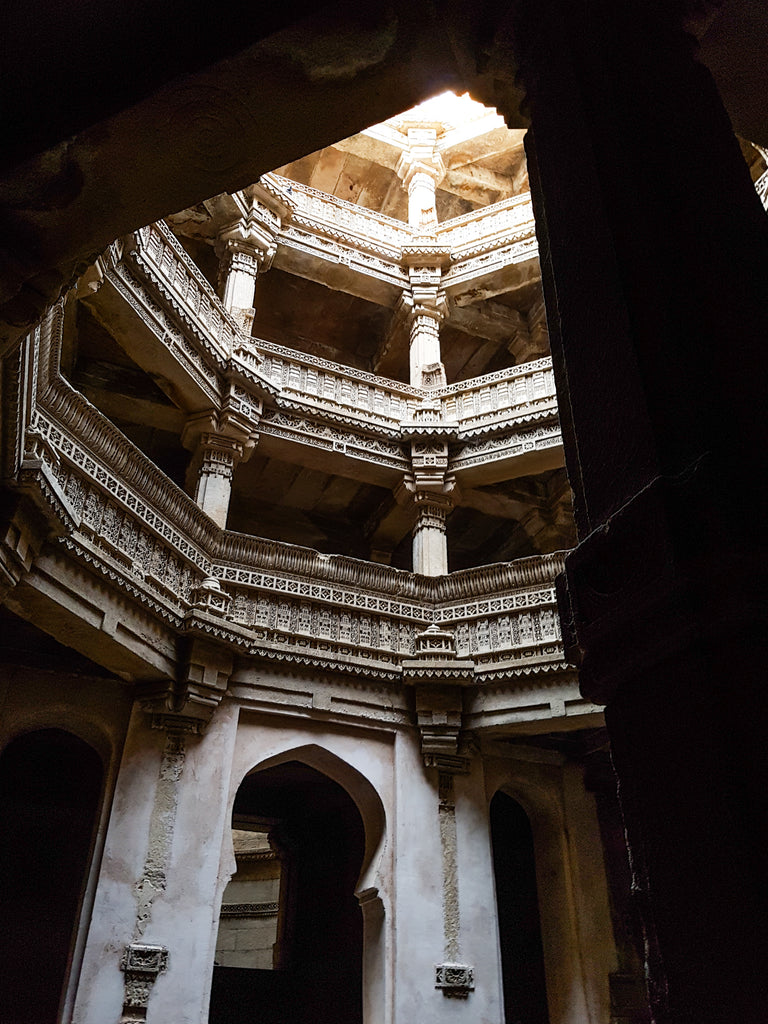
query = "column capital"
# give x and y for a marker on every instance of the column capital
(421, 157)
(252, 236)
(227, 430)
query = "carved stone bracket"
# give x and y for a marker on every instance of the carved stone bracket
(456, 980)
(221, 441)
(141, 963)
(187, 704)
(438, 677)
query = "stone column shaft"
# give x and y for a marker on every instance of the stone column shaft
(219, 457)
(424, 345)
(240, 270)
(422, 211)
(430, 545)
(240, 281)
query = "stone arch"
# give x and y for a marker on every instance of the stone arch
(88, 729)
(359, 788)
(364, 799)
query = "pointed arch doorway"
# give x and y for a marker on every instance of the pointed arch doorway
(291, 928)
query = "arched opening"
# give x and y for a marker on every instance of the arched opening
(299, 841)
(522, 959)
(50, 787)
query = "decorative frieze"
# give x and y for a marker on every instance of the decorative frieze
(498, 449)
(329, 619)
(329, 438)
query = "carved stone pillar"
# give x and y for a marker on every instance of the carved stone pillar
(239, 270)
(430, 486)
(245, 249)
(218, 457)
(430, 546)
(220, 442)
(438, 678)
(152, 937)
(424, 346)
(421, 169)
(425, 304)
(656, 327)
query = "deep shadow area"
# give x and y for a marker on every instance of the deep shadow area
(50, 786)
(319, 832)
(522, 961)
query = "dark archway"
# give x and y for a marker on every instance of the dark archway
(317, 975)
(50, 789)
(522, 959)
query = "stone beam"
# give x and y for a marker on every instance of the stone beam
(487, 319)
(336, 266)
(90, 615)
(125, 310)
(477, 183)
(499, 272)
(524, 453)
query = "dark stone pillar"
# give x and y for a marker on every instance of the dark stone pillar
(654, 253)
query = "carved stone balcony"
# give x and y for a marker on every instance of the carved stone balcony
(128, 525)
(365, 253)
(172, 323)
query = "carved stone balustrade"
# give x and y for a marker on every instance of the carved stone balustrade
(520, 394)
(128, 522)
(480, 230)
(366, 253)
(336, 216)
(500, 425)
(147, 574)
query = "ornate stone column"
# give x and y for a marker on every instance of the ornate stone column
(661, 386)
(218, 457)
(430, 547)
(429, 486)
(458, 899)
(220, 442)
(152, 938)
(245, 249)
(421, 168)
(239, 270)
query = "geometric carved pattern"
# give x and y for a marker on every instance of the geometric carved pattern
(249, 909)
